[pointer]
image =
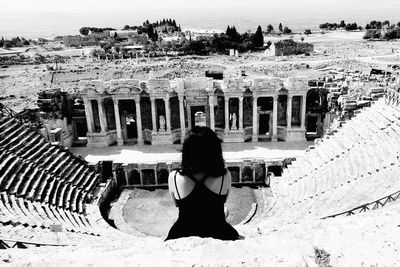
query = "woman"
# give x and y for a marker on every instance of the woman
(200, 188)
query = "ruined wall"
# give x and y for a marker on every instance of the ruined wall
(72, 40)
(290, 47)
(56, 116)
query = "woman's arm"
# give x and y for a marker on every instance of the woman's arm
(171, 186)
(227, 183)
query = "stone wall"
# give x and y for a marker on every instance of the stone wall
(290, 47)
(156, 175)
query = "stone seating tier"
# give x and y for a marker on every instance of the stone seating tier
(358, 164)
(40, 184)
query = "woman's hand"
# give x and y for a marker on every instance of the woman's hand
(226, 211)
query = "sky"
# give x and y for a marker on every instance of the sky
(51, 17)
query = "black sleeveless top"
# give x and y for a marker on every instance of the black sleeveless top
(201, 213)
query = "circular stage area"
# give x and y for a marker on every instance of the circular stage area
(153, 212)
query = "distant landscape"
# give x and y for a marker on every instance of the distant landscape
(36, 25)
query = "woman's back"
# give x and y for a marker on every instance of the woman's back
(201, 187)
(200, 200)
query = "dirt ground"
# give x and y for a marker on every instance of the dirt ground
(19, 84)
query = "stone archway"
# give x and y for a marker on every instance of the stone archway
(247, 174)
(219, 109)
(162, 176)
(120, 176)
(128, 118)
(265, 117)
(134, 177)
(313, 113)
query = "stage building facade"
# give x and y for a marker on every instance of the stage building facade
(161, 111)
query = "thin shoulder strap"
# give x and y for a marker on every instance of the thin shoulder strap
(222, 184)
(176, 187)
(193, 179)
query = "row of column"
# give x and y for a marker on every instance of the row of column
(289, 112)
(103, 121)
(275, 115)
(240, 117)
(89, 115)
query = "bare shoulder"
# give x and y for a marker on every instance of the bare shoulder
(228, 177)
(171, 178)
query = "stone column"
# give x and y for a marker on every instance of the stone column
(167, 113)
(103, 121)
(182, 118)
(226, 114)
(89, 115)
(117, 122)
(212, 119)
(139, 121)
(289, 112)
(303, 111)
(275, 119)
(189, 116)
(255, 120)
(240, 113)
(125, 166)
(153, 114)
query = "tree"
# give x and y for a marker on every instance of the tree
(155, 36)
(84, 31)
(258, 37)
(351, 27)
(342, 24)
(126, 27)
(286, 30)
(392, 34)
(307, 31)
(280, 27)
(302, 39)
(228, 31)
(372, 34)
(386, 22)
(270, 28)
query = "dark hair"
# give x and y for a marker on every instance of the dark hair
(202, 152)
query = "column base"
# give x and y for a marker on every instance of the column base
(274, 138)
(140, 142)
(101, 139)
(120, 142)
(254, 138)
(161, 138)
(296, 134)
(234, 136)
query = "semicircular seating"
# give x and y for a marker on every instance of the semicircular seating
(41, 185)
(352, 170)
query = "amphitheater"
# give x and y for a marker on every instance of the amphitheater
(337, 201)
